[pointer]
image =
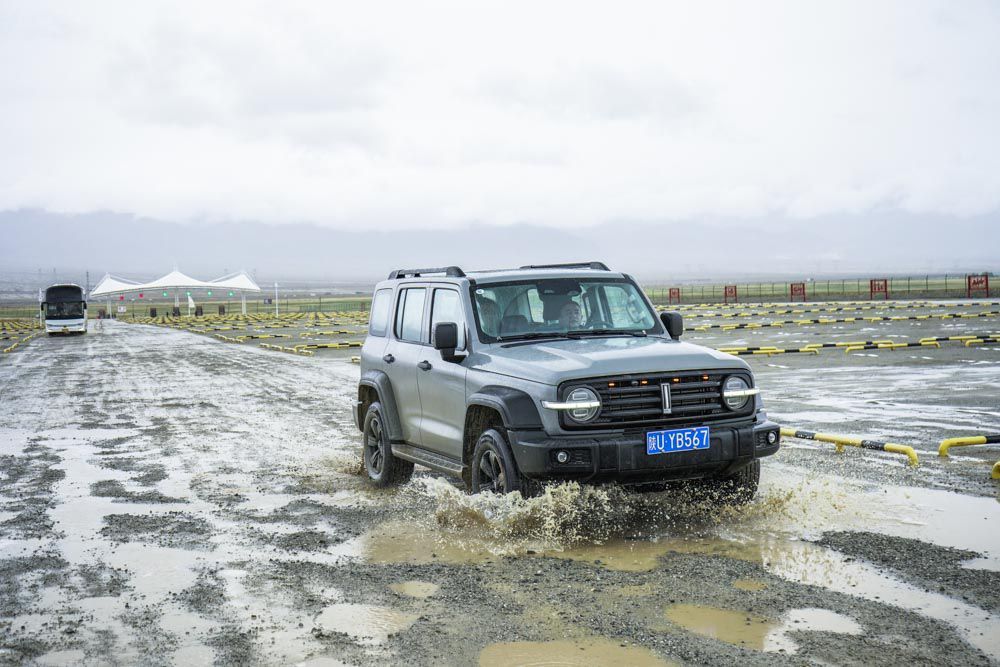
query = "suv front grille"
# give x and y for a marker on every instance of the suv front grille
(637, 400)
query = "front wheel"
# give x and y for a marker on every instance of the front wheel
(383, 468)
(741, 487)
(494, 469)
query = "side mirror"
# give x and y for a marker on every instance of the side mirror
(445, 339)
(673, 322)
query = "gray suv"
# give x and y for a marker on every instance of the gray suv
(511, 378)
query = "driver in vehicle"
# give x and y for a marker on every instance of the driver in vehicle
(570, 316)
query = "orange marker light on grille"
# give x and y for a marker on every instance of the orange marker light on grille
(612, 384)
(677, 379)
(644, 382)
(704, 377)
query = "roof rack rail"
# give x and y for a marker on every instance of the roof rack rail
(451, 271)
(596, 266)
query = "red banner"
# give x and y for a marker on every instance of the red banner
(730, 293)
(674, 295)
(977, 283)
(798, 291)
(878, 286)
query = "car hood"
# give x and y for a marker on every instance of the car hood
(553, 362)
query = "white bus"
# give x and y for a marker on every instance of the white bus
(64, 309)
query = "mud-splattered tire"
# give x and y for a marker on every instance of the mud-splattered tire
(740, 488)
(494, 469)
(382, 467)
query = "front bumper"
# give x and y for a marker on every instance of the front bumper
(623, 457)
(66, 326)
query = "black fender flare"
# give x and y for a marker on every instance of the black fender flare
(379, 381)
(517, 408)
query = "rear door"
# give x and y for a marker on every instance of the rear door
(406, 347)
(442, 383)
(379, 322)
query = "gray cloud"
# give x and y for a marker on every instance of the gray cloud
(601, 94)
(442, 114)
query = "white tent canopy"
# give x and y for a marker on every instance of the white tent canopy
(175, 280)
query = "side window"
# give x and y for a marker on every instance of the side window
(409, 314)
(489, 311)
(447, 307)
(381, 304)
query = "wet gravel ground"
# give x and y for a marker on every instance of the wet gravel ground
(166, 498)
(936, 568)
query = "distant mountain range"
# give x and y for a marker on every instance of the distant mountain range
(33, 241)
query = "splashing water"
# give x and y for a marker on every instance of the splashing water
(570, 514)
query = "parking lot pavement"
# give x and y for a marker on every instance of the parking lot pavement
(167, 497)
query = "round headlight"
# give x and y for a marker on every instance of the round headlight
(733, 392)
(583, 395)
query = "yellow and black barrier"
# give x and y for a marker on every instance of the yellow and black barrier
(890, 345)
(858, 345)
(811, 348)
(996, 471)
(328, 346)
(719, 313)
(844, 320)
(982, 340)
(19, 342)
(336, 332)
(841, 441)
(883, 305)
(947, 444)
(953, 339)
(243, 337)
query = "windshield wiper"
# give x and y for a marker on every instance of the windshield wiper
(609, 332)
(534, 336)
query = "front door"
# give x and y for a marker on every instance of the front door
(442, 383)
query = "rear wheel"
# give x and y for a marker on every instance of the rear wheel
(494, 469)
(383, 468)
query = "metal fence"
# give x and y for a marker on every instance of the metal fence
(847, 289)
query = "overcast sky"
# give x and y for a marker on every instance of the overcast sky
(444, 114)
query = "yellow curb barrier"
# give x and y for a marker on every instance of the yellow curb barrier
(982, 341)
(841, 441)
(844, 320)
(968, 441)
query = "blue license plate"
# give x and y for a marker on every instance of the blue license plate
(677, 440)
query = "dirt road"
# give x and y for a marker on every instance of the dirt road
(166, 498)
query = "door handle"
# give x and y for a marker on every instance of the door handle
(388, 358)
(424, 365)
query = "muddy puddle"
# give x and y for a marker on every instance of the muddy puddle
(368, 624)
(415, 589)
(757, 632)
(615, 530)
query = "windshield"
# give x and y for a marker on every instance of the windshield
(64, 311)
(554, 307)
